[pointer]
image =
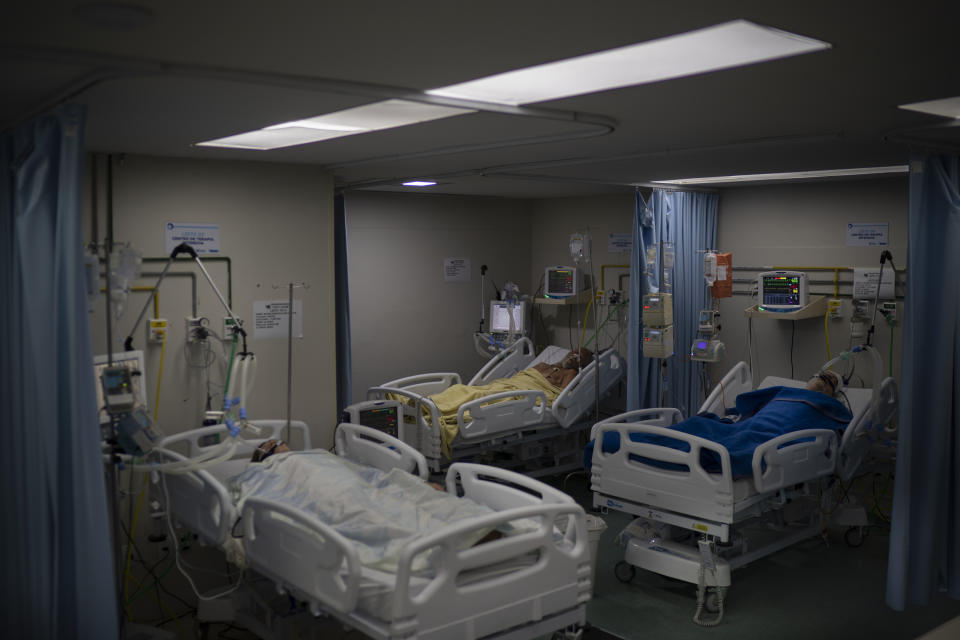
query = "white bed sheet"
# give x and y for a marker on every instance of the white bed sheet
(381, 512)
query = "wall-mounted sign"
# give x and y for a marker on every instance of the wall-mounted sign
(204, 238)
(620, 243)
(867, 234)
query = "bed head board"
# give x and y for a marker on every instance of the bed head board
(196, 441)
(377, 449)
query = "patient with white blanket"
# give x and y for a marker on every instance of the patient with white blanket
(379, 511)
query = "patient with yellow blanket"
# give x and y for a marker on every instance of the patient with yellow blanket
(551, 379)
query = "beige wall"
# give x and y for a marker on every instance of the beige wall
(276, 226)
(805, 225)
(405, 318)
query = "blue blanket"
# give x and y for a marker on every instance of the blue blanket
(759, 416)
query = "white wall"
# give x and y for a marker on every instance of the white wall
(805, 225)
(405, 318)
(276, 226)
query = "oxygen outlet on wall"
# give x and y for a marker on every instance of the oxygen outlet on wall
(834, 308)
(156, 330)
(196, 329)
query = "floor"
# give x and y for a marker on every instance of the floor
(815, 589)
(821, 588)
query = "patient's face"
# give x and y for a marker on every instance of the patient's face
(268, 448)
(574, 359)
(825, 383)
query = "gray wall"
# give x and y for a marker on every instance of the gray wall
(805, 225)
(405, 318)
(276, 226)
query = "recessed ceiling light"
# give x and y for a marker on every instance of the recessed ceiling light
(731, 44)
(419, 183)
(115, 15)
(793, 175)
(370, 117)
(949, 107)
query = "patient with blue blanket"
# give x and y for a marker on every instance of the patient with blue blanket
(759, 416)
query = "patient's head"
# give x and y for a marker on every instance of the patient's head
(577, 359)
(268, 448)
(825, 382)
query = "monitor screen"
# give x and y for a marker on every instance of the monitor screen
(382, 418)
(781, 290)
(500, 317)
(561, 282)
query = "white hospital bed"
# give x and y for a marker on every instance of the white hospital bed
(522, 585)
(525, 422)
(711, 504)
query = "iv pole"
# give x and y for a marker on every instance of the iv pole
(291, 286)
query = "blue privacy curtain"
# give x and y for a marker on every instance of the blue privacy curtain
(925, 530)
(688, 221)
(342, 300)
(57, 577)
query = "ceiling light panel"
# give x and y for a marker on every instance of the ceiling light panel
(387, 114)
(948, 107)
(723, 46)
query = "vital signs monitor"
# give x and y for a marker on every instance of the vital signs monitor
(782, 290)
(562, 282)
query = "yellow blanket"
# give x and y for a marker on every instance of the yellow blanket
(450, 399)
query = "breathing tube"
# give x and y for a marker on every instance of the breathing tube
(243, 370)
(875, 362)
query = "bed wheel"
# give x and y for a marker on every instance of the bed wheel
(712, 601)
(624, 571)
(854, 536)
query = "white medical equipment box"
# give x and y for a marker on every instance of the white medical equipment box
(383, 415)
(658, 309)
(658, 342)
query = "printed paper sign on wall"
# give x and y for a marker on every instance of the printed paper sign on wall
(271, 319)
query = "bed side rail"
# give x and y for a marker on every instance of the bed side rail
(738, 380)
(198, 441)
(578, 396)
(516, 357)
(785, 460)
(871, 425)
(423, 384)
(197, 500)
(375, 448)
(504, 411)
(686, 488)
(500, 488)
(489, 583)
(301, 554)
(657, 416)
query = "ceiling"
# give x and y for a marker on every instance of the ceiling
(158, 77)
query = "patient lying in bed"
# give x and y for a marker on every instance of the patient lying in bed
(759, 416)
(380, 512)
(549, 378)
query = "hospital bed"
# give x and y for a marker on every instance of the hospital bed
(689, 519)
(522, 585)
(520, 423)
